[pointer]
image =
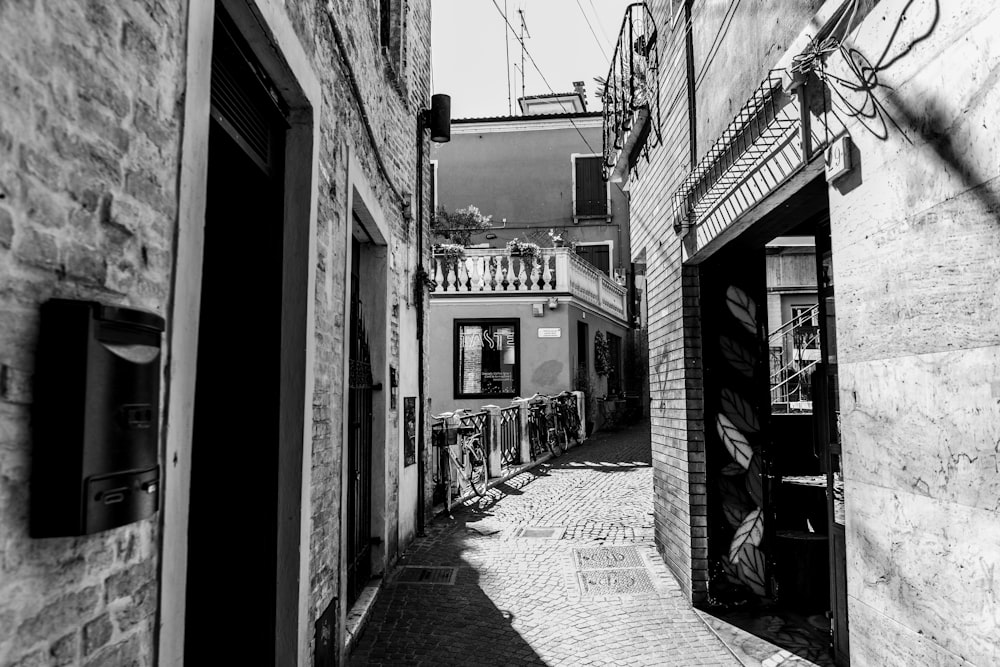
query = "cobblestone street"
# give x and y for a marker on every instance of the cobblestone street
(593, 591)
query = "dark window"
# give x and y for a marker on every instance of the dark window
(487, 358)
(591, 191)
(598, 255)
(582, 364)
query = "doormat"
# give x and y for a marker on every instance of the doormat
(599, 558)
(628, 581)
(541, 532)
(428, 574)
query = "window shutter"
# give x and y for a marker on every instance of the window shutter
(591, 191)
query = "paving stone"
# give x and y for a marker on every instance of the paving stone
(516, 599)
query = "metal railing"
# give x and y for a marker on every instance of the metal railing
(631, 95)
(509, 435)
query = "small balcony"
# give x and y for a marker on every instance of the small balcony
(555, 271)
(631, 94)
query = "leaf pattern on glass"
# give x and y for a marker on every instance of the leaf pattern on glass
(750, 531)
(733, 492)
(751, 568)
(738, 356)
(742, 307)
(739, 411)
(733, 469)
(735, 442)
(730, 570)
(755, 481)
(734, 513)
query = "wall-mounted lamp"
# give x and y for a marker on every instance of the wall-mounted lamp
(553, 303)
(438, 118)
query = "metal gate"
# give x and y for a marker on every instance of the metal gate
(359, 457)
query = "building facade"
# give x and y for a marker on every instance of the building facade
(225, 166)
(539, 178)
(863, 126)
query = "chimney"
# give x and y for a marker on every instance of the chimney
(579, 89)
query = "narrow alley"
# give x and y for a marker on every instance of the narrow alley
(557, 567)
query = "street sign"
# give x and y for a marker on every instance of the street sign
(549, 332)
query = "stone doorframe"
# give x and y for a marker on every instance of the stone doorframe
(265, 26)
(367, 222)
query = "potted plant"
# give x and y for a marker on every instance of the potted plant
(526, 250)
(452, 252)
(557, 238)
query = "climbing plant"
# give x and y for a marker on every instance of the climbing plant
(602, 354)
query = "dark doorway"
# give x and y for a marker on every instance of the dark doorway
(599, 256)
(232, 529)
(359, 443)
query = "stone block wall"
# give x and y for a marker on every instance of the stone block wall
(89, 149)
(916, 251)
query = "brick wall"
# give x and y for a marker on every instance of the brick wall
(671, 324)
(89, 120)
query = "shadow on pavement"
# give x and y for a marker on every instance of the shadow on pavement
(442, 624)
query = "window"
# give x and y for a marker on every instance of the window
(590, 192)
(392, 15)
(805, 326)
(487, 358)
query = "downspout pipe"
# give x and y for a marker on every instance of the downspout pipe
(438, 120)
(421, 297)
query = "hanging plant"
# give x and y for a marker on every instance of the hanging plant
(602, 354)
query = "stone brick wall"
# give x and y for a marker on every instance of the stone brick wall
(88, 164)
(90, 103)
(390, 99)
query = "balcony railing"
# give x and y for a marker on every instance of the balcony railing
(631, 95)
(486, 271)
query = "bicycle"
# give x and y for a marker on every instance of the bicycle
(473, 467)
(543, 431)
(567, 415)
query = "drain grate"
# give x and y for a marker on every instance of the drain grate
(412, 574)
(606, 557)
(541, 532)
(628, 581)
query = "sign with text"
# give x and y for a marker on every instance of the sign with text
(549, 332)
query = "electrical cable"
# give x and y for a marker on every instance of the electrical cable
(593, 32)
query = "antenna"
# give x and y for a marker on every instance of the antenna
(506, 40)
(524, 29)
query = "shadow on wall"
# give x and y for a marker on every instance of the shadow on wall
(855, 96)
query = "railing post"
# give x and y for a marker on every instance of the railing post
(581, 409)
(522, 404)
(493, 436)
(562, 270)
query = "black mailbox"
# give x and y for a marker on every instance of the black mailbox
(95, 418)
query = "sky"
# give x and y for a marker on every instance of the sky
(469, 52)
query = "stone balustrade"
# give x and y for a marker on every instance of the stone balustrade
(555, 270)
